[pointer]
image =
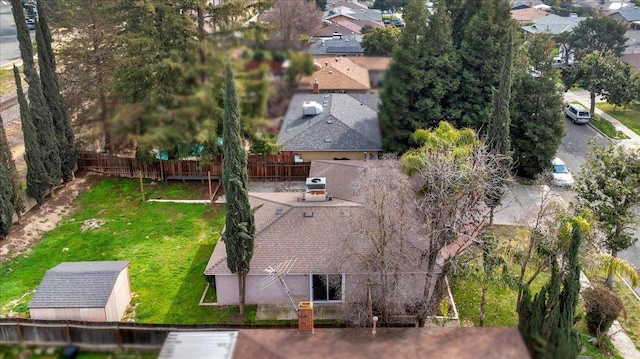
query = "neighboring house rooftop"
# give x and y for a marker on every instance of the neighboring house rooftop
(333, 29)
(289, 228)
(341, 177)
(348, 45)
(339, 73)
(347, 122)
(460, 343)
(376, 63)
(553, 24)
(355, 14)
(77, 285)
(521, 4)
(526, 15)
(629, 13)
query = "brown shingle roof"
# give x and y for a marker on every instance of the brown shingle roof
(372, 62)
(459, 343)
(288, 234)
(340, 176)
(339, 73)
(528, 14)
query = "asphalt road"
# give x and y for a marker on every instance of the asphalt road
(9, 50)
(573, 152)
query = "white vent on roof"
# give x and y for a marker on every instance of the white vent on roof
(311, 108)
(315, 189)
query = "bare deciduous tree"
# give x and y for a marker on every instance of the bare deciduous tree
(412, 228)
(381, 247)
(292, 18)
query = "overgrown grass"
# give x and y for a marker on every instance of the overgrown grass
(606, 127)
(168, 245)
(629, 115)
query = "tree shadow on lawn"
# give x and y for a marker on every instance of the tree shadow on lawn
(184, 308)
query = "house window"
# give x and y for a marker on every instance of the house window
(326, 287)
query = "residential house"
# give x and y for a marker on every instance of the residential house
(376, 66)
(629, 16)
(552, 24)
(346, 128)
(355, 343)
(342, 27)
(524, 4)
(350, 12)
(338, 45)
(336, 74)
(305, 233)
(526, 15)
(88, 291)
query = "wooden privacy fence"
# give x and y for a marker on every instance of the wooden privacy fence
(269, 168)
(110, 336)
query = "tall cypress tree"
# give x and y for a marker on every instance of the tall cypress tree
(62, 125)
(399, 117)
(240, 229)
(497, 133)
(441, 66)
(6, 209)
(14, 184)
(37, 176)
(546, 321)
(482, 55)
(40, 113)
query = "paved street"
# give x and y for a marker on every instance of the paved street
(9, 50)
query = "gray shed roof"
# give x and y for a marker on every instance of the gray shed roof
(78, 285)
(347, 122)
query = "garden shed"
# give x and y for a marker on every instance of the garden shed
(86, 291)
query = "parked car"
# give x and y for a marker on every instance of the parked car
(577, 113)
(31, 24)
(395, 22)
(560, 175)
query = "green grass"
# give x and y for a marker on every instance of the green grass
(606, 127)
(172, 190)
(629, 115)
(168, 245)
(7, 83)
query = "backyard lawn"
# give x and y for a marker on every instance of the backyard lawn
(629, 116)
(168, 245)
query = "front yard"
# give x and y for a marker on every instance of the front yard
(501, 299)
(168, 245)
(629, 115)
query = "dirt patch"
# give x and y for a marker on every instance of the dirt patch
(39, 220)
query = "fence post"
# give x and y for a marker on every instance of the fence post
(141, 186)
(209, 177)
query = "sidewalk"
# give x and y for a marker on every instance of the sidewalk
(582, 96)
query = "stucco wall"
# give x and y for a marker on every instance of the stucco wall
(227, 290)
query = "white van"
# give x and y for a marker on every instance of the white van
(577, 113)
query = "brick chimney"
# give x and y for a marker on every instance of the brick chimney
(316, 86)
(305, 318)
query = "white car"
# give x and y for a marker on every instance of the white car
(560, 173)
